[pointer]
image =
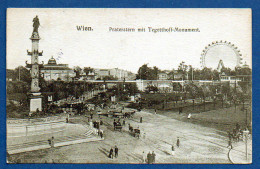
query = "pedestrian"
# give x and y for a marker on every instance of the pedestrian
(141, 119)
(116, 151)
(149, 158)
(101, 133)
(98, 132)
(144, 159)
(51, 142)
(123, 122)
(178, 142)
(153, 157)
(114, 124)
(173, 150)
(91, 123)
(111, 153)
(91, 115)
(144, 135)
(189, 116)
(97, 125)
(180, 110)
(154, 111)
(130, 127)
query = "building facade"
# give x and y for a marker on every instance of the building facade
(116, 73)
(163, 76)
(54, 71)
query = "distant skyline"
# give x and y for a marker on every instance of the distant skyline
(102, 48)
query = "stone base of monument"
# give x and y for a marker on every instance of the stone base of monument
(35, 102)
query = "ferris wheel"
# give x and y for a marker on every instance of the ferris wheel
(221, 52)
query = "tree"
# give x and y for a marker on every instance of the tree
(243, 71)
(22, 74)
(131, 88)
(148, 73)
(176, 87)
(228, 71)
(43, 85)
(151, 88)
(215, 74)
(143, 72)
(190, 72)
(182, 68)
(88, 70)
(154, 73)
(206, 74)
(110, 78)
(225, 90)
(77, 70)
(171, 75)
(192, 89)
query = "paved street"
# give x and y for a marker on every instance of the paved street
(197, 144)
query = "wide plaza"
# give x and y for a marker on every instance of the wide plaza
(159, 132)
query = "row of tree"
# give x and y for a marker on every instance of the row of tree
(187, 72)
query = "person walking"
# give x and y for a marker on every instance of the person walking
(101, 134)
(51, 142)
(173, 150)
(116, 151)
(178, 142)
(114, 123)
(111, 153)
(144, 135)
(144, 159)
(153, 157)
(149, 158)
(180, 110)
(189, 116)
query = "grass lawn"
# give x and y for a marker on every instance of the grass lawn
(222, 116)
(224, 119)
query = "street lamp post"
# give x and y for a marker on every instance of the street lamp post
(193, 103)
(246, 118)
(246, 132)
(235, 106)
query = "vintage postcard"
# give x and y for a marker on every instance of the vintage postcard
(134, 86)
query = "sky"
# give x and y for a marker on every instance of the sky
(102, 48)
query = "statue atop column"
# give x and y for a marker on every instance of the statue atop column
(35, 94)
(36, 24)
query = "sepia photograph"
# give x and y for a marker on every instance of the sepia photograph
(129, 86)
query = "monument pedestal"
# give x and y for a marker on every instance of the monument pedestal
(35, 102)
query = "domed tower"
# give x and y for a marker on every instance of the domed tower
(52, 61)
(35, 95)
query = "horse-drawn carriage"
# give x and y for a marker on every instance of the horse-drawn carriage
(237, 134)
(118, 126)
(128, 112)
(134, 132)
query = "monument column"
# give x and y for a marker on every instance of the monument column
(35, 94)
